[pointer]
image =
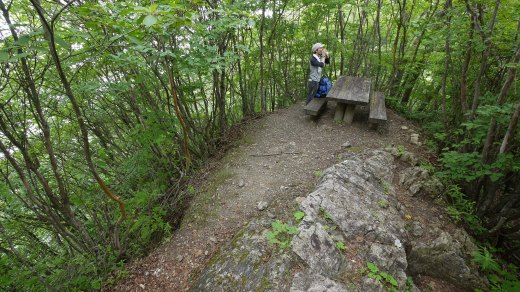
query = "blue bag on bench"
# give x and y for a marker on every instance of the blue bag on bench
(323, 87)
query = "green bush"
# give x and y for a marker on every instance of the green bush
(462, 209)
(501, 277)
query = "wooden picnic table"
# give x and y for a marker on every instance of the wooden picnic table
(347, 93)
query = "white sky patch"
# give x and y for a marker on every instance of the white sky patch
(268, 13)
(4, 29)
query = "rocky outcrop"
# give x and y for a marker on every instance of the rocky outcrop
(248, 263)
(418, 182)
(311, 282)
(351, 219)
(446, 258)
(355, 201)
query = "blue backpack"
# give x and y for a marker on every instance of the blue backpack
(323, 87)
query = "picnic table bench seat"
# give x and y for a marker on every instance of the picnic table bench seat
(377, 113)
(316, 106)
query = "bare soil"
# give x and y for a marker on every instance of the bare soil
(277, 159)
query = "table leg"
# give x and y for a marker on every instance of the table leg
(340, 111)
(349, 113)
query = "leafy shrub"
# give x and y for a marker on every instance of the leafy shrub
(340, 245)
(463, 209)
(460, 167)
(298, 216)
(281, 233)
(501, 279)
(385, 278)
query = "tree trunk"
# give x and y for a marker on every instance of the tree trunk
(263, 101)
(49, 35)
(447, 62)
(342, 38)
(504, 147)
(24, 262)
(464, 71)
(485, 156)
(379, 53)
(486, 38)
(175, 97)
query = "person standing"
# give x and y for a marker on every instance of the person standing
(319, 58)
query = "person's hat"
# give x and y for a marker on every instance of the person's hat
(317, 46)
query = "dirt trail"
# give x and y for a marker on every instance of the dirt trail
(278, 159)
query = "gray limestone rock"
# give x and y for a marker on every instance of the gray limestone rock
(433, 187)
(409, 158)
(317, 249)
(444, 258)
(347, 201)
(299, 200)
(307, 282)
(248, 263)
(390, 258)
(372, 285)
(417, 229)
(393, 150)
(418, 182)
(261, 206)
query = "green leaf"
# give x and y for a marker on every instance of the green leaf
(145, 234)
(141, 9)
(277, 226)
(341, 245)
(4, 56)
(96, 284)
(153, 7)
(23, 40)
(392, 281)
(485, 259)
(134, 40)
(298, 215)
(385, 275)
(61, 42)
(372, 267)
(149, 20)
(271, 237)
(292, 230)
(494, 279)
(18, 56)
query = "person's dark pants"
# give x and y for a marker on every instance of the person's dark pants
(312, 88)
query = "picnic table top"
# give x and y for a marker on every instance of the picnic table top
(350, 90)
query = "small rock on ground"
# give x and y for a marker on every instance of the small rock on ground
(262, 205)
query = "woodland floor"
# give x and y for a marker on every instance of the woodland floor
(276, 159)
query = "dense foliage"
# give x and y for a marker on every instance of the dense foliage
(107, 107)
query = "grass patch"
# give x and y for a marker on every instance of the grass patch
(355, 149)
(202, 207)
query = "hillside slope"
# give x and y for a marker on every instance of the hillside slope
(278, 159)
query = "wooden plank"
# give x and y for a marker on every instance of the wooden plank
(337, 87)
(315, 106)
(340, 112)
(349, 113)
(352, 90)
(377, 108)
